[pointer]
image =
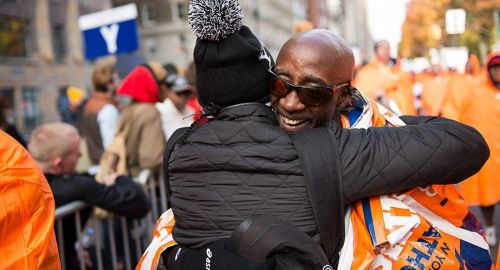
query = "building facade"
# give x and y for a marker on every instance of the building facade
(351, 20)
(41, 51)
(273, 20)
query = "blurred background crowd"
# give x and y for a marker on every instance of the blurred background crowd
(43, 50)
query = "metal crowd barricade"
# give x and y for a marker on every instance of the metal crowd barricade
(140, 233)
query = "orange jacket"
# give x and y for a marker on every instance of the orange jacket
(433, 95)
(27, 239)
(481, 110)
(457, 94)
(459, 88)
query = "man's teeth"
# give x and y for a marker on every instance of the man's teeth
(291, 122)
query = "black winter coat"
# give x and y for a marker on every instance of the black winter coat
(241, 164)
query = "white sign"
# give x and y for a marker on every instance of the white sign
(455, 21)
(454, 57)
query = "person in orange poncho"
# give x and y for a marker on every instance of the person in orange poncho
(434, 90)
(482, 110)
(27, 239)
(383, 80)
(459, 86)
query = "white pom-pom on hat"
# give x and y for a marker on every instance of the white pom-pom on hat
(214, 19)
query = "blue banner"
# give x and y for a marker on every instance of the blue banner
(112, 31)
(111, 39)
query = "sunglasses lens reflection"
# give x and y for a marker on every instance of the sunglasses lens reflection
(315, 97)
(279, 87)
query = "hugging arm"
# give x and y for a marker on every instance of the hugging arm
(125, 197)
(430, 150)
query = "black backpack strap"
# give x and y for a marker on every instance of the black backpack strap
(319, 159)
(172, 141)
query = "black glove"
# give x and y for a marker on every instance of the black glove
(214, 256)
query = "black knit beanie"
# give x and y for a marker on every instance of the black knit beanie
(231, 63)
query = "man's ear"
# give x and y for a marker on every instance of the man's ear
(56, 163)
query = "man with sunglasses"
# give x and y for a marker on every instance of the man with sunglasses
(301, 99)
(311, 82)
(238, 142)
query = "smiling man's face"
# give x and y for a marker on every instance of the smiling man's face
(309, 61)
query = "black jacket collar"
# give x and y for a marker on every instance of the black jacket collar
(247, 111)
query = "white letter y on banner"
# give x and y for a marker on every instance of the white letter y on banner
(110, 33)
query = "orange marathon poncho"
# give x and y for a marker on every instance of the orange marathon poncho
(394, 82)
(424, 227)
(27, 239)
(459, 89)
(433, 94)
(481, 110)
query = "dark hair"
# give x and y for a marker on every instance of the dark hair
(379, 43)
(62, 90)
(171, 68)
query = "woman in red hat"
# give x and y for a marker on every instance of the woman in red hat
(144, 139)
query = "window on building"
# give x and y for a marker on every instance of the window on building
(148, 13)
(14, 37)
(256, 14)
(151, 47)
(8, 94)
(59, 43)
(182, 10)
(31, 109)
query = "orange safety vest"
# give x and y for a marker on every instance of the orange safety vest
(27, 208)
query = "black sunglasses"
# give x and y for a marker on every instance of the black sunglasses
(309, 95)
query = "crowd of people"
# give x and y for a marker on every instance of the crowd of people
(147, 105)
(471, 97)
(269, 164)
